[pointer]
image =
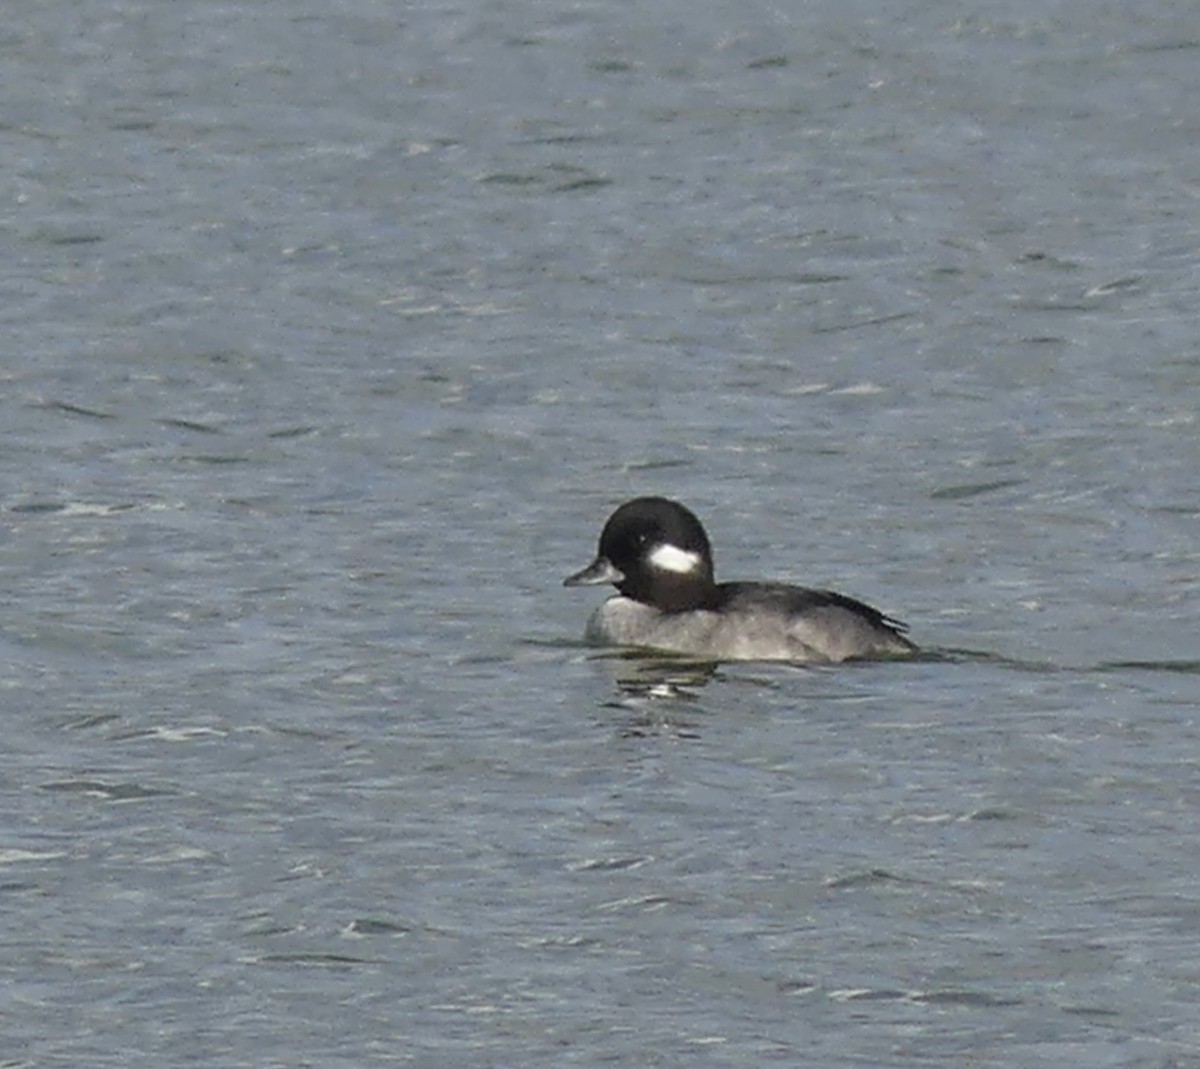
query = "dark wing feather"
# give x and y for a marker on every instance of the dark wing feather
(798, 599)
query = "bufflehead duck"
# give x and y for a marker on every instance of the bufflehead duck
(655, 552)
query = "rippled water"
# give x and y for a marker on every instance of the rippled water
(333, 334)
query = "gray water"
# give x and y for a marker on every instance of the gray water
(332, 333)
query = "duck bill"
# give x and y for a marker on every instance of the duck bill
(601, 570)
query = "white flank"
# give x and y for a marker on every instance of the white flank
(673, 559)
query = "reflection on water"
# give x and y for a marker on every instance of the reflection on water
(647, 673)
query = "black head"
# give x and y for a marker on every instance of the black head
(654, 551)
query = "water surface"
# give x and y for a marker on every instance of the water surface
(335, 331)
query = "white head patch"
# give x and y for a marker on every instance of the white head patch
(673, 559)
